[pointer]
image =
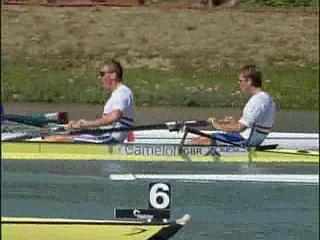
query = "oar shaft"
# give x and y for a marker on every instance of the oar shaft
(28, 120)
(98, 131)
(171, 126)
(38, 120)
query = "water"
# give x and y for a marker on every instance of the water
(219, 210)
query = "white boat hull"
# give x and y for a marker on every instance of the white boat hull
(283, 139)
(309, 141)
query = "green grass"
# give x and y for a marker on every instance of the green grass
(171, 57)
(292, 87)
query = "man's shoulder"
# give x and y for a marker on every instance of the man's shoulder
(265, 94)
(259, 100)
(261, 96)
(124, 89)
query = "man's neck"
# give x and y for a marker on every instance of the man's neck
(255, 91)
(118, 84)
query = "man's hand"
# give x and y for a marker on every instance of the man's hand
(77, 124)
(228, 124)
(228, 119)
(215, 122)
(212, 120)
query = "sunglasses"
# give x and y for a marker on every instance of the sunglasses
(241, 80)
(102, 73)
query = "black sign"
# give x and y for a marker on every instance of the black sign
(152, 214)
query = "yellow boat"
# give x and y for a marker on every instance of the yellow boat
(25, 150)
(70, 229)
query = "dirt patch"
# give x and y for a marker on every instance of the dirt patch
(177, 39)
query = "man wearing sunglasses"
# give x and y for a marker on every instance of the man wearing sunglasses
(118, 110)
(257, 117)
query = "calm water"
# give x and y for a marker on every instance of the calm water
(220, 210)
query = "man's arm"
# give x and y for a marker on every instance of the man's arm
(106, 119)
(250, 115)
(228, 126)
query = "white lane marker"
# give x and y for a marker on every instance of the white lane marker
(281, 178)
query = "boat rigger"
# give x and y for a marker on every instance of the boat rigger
(28, 148)
(31, 128)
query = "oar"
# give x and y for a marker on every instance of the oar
(60, 129)
(171, 126)
(38, 120)
(28, 120)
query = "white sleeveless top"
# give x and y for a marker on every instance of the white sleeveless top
(120, 99)
(258, 115)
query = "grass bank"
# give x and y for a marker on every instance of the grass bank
(175, 57)
(292, 87)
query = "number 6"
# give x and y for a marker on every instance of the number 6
(159, 197)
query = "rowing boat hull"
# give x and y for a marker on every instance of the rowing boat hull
(308, 141)
(283, 139)
(67, 229)
(149, 153)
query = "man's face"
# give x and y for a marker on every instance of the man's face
(244, 83)
(107, 78)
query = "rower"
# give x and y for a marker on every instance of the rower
(257, 117)
(118, 110)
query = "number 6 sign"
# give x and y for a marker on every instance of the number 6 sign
(159, 195)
